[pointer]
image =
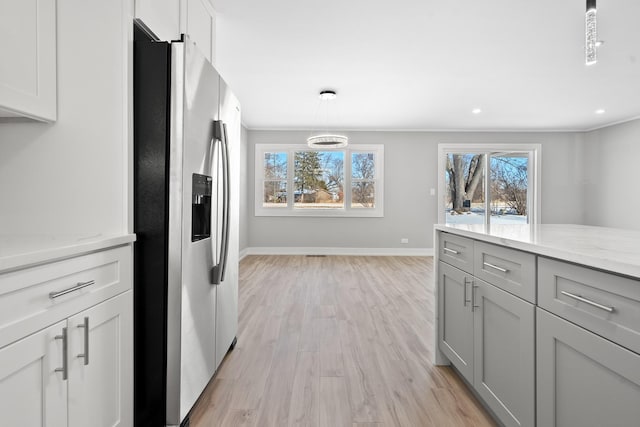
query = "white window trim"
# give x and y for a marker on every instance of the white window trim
(533, 191)
(347, 210)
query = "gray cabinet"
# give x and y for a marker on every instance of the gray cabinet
(583, 379)
(488, 334)
(509, 269)
(455, 328)
(604, 303)
(457, 251)
(504, 353)
(571, 360)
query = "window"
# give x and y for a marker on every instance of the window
(488, 183)
(295, 180)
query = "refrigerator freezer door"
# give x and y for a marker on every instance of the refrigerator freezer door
(191, 301)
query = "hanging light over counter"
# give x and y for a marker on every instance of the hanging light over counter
(591, 33)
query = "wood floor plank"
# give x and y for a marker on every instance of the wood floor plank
(334, 405)
(305, 397)
(336, 341)
(329, 348)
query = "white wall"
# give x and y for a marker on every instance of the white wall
(71, 176)
(244, 190)
(411, 169)
(612, 179)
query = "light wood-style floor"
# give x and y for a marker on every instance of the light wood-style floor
(336, 341)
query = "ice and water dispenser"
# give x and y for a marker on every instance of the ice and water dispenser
(200, 207)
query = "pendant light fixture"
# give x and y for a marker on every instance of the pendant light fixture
(591, 34)
(327, 140)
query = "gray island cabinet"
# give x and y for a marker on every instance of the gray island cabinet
(543, 323)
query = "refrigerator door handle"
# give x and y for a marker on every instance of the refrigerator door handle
(219, 265)
(226, 205)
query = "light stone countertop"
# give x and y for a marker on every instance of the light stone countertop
(609, 249)
(19, 251)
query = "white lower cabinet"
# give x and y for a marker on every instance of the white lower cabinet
(66, 342)
(488, 335)
(63, 375)
(100, 364)
(32, 392)
(583, 379)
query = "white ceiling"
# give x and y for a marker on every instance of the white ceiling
(424, 64)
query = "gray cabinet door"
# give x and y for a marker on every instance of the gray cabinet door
(456, 319)
(584, 380)
(504, 358)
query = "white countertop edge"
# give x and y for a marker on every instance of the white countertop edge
(612, 263)
(34, 250)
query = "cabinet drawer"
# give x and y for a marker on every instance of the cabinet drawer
(604, 303)
(457, 251)
(508, 269)
(35, 297)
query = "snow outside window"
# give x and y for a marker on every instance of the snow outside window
(489, 184)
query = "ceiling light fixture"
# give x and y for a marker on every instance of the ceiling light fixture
(476, 111)
(327, 140)
(600, 111)
(591, 34)
(327, 95)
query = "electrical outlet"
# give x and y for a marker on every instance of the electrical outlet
(404, 240)
(432, 192)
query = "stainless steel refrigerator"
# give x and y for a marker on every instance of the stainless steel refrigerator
(186, 173)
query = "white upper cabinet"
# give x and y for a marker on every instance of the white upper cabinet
(200, 25)
(28, 65)
(167, 19)
(160, 16)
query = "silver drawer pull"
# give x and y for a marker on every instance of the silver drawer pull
(504, 270)
(451, 251)
(586, 301)
(78, 286)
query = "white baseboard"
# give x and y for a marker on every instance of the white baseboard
(264, 250)
(243, 253)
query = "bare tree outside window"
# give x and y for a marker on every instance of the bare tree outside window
(464, 177)
(275, 179)
(318, 179)
(298, 180)
(363, 187)
(509, 180)
(477, 196)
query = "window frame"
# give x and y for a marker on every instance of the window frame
(347, 210)
(534, 152)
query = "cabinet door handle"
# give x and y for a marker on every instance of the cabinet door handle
(85, 355)
(504, 270)
(587, 301)
(451, 251)
(473, 297)
(65, 366)
(78, 286)
(464, 294)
